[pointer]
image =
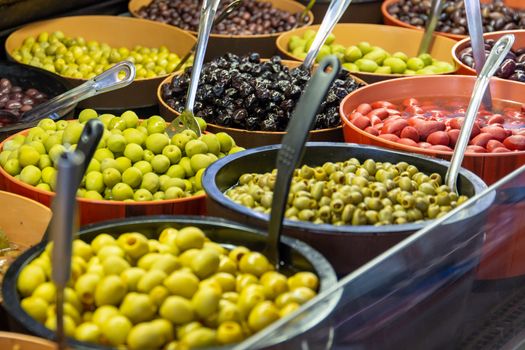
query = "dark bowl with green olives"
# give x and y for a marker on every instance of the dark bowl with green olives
(346, 200)
(300, 257)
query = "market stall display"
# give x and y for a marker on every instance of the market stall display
(371, 202)
(393, 50)
(101, 39)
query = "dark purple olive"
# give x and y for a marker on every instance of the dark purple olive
(4, 99)
(16, 89)
(12, 104)
(5, 83)
(27, 101)
(31, 92)
(16, 96)
(521, 58)
(506, 69)
(25, 108)
(466, 51)
(520, 51)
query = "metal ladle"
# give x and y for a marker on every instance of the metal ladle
(426, 40)
(494, 59)
(292, 148)
(475, 29)
(108, 80)
(330, 19)
(232, 6)
(187, 118)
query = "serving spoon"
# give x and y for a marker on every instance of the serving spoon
(293, 147)
(232, 6)
(426, 40)
(118, 76)
(475, 29)
(330, 19)
(494, 59)
(186, 120)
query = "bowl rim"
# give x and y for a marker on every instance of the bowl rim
(292, 63)
(384, 10)
(320, 264)
(101, 17)
(280, 47)
(28, 338)
(231, 36)
(466, 41)
(214, 193)
(394, 145)
(26, 199)
(51, 194)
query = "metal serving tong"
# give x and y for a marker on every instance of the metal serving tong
(187, 118)
(475, 29)
(232, 6)
(494, 59)
(108, 80)
(330, 19)
(426, 40)
(293, 147)
(71, 168)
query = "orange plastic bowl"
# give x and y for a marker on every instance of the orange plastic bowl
(249, 138)
(489, 166)
(91, 210)
(221, 44)
(117, 32)
(519, 42)
(391, 20)
(390, 38)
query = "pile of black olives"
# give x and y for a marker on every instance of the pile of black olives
(496, 16)
(16, 100)
(353, 193)
(513, 67)
(245, 92)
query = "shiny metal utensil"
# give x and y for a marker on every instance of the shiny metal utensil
(70, 166)
(428, 36)
(232, 6)
(475, 29)
(494, 59)
(292, 148)
(109, 80)
(330, 19)
(186, 120)
(302, 17)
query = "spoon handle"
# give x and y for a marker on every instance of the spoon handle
(106, 81)
(293, 143)
(496, 56)
(62, 224)
(332, 16)
(207, 14)
(88, 142)
(232, 6)
(433, 17)
(475, 29)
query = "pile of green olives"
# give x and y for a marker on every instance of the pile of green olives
(134, 161)
(176, 292)
(353, 193)
(82, 59)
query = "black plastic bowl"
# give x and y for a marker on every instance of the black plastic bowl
(346, 247)
(31, 77)
(300, 255)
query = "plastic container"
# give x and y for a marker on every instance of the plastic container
(92, 210)
(489, 166)
(230, 234)
(220, 44)
(519, 42)
(346, 247)
(249, 138)
(390, 38)
(115, 31)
